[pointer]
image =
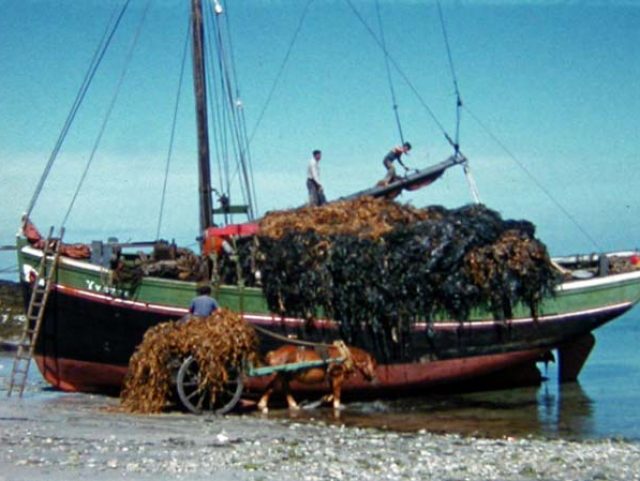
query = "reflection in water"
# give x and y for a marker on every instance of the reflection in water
(549, 411)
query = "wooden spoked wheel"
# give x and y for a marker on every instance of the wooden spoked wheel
(198, 399)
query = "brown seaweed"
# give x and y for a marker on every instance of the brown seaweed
(218, 342)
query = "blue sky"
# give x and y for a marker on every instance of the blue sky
(555, 81)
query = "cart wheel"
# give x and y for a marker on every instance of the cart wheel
(198, 400)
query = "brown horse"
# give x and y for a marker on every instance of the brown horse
(334, 372)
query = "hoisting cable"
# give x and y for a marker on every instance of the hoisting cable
(453, 76)
(402, 74)
(234, 105)
(473, 187)
(108, 113)
(227, 86)
(242, 118)
(103, 45)
(283, 65)
(219, 125)
(173, 128)
(533, 178)
(388, 69)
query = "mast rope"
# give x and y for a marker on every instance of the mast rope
(232, 123)
(539, 184)
(98, 55)
(453, 76)
(230, 109)
(173, 128)
(402, 74)
(107, 116)
(243, 121)
(283, 65)
(388, 69)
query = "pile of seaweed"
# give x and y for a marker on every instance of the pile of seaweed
(218, 342)
(377, 266)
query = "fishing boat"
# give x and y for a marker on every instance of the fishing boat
(98, 310)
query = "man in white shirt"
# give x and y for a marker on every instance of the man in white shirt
(316, 193)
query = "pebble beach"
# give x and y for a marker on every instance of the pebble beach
(55, 436)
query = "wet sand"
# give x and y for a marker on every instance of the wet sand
(56, 436)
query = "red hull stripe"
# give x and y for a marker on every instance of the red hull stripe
(72, 375)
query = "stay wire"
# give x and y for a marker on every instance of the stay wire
(402, 74)
(453, 75)
(108, 113)
(241, 117)
(227, 84)
(173, 128)
(388, 69)
(533, 178)
(214, 112)
(227, 111)
(84, 87)
(283, 65)
(235, 124)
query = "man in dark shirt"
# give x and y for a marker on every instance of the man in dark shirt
(203, 305)
(394, 154)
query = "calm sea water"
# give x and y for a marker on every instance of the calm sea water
(604, 404)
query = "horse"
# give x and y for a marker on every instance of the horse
(353, 359)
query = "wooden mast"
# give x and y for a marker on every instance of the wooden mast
(200, 90)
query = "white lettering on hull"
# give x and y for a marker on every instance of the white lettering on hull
(108, 290)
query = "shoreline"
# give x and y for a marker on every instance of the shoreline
(70, 437)
(12, 315)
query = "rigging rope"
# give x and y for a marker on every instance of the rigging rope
(108, 113)
(453, 76)
(226, 108)
(233, 108)
(173, 128)
(402, 74)
(283, 65)
(388, 69)
(243, 121)
(534, 179)
(93, 67)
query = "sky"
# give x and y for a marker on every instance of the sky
(549, 124)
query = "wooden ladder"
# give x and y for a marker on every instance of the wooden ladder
(35, 313)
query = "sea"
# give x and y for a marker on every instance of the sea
(604, 404)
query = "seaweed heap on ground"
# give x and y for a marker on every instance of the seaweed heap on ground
(217, 342)
(377, 266)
